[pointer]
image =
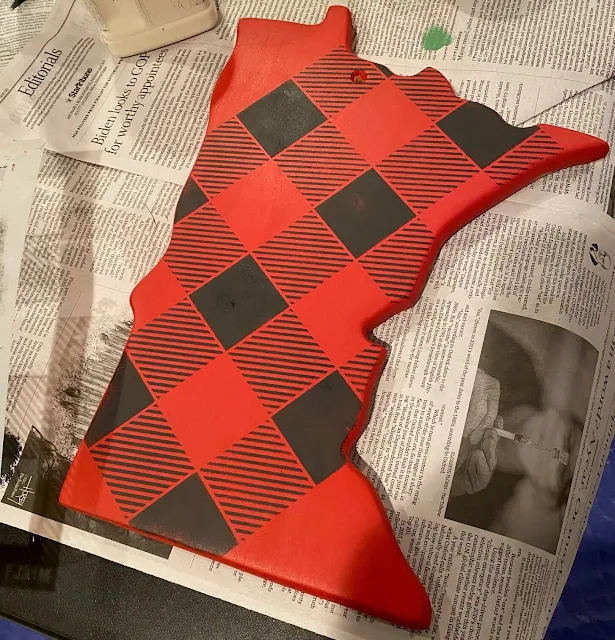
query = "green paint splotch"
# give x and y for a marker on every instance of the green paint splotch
(435, 38)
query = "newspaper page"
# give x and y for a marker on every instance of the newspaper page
(147, 114)
(17, 26)
(456, 493)
(19, 165)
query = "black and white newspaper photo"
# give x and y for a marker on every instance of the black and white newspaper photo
(523, 429)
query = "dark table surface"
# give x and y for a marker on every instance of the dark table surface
(66, 593)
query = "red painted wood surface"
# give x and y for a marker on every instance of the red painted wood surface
(322, 193)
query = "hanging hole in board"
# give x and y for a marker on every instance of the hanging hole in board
(358, 76)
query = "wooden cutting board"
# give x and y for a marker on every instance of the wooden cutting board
(322, 193)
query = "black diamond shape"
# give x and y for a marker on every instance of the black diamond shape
(238, 301)
(481, 133)
(126, 396)
(365, 212)
(190, 199)
(188, 515)
(317, 423)
(281, 117)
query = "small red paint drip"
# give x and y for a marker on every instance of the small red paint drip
(358, 76)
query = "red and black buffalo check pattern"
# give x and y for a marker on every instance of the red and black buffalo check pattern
(306, 215)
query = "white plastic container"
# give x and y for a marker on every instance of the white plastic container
(134, 26)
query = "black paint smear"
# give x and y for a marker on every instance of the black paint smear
(11, 452)
(79, 393)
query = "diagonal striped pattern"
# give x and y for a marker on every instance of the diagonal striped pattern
(141, 460)
(427, 169)
(320, 163)
(228, 153)
(202, 245)
(303, 256)
(329, 81)
(281, 360)
(537, 147)
(361, 368)
(172, 347)
(395, 263)
(354, 140)
(255, 480)
(430, 91)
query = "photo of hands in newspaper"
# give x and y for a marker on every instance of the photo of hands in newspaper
(523, 430)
